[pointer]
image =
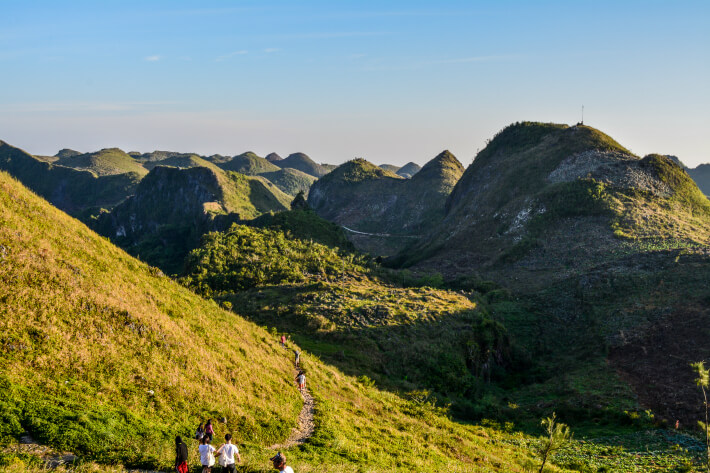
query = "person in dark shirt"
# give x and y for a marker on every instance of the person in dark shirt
(180, 455)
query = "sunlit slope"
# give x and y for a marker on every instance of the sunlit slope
(103, 356)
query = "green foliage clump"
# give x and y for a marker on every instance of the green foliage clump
(244, 257)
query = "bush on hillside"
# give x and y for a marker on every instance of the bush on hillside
(244, 257)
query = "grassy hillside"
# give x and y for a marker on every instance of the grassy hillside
(105, 357)
(107, 162)
(76, 192)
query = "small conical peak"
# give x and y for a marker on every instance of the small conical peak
(445, 163)
(409, 169)
(248, 154)
(272, 157)
(67, 153)
(302, 156)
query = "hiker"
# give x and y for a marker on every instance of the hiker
(226, 454)
(209, 431)
(279, 462)
(200, 432)
(206, 454)
(297, 354)
(180, 455)
(283, 341)
(301, 381)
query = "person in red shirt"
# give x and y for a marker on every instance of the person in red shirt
(283, 341)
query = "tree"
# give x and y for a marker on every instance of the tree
(558, 434)
(703, 381)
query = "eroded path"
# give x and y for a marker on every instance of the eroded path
(305, 427)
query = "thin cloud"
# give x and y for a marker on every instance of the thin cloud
(271, 50)
(230, 55)
(49, 107)
(152, 58)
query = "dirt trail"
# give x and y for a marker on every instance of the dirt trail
(305, 427)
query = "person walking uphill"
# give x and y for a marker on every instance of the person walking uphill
(283, 341)
(301, 381)
(209, 431)
(279, 462)
(180, 455)
(226, 454)
(206, 454)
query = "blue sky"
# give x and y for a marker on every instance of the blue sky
(390, 81)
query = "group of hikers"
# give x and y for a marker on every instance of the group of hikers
(227, 455)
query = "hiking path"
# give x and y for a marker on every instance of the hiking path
(305, 426)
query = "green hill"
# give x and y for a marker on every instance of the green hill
(273, 157)
(104, 357)
(303, 163)
(107, 162)
(78, 192)
(250, 164)
(408, 170)
(537, 185)
(173, 207)
(599, 252)
(368, 199)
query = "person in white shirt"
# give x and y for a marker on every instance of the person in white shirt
(206, 454)
(226, 454)
(279, 462)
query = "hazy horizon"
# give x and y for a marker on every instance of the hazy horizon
(389, 83)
